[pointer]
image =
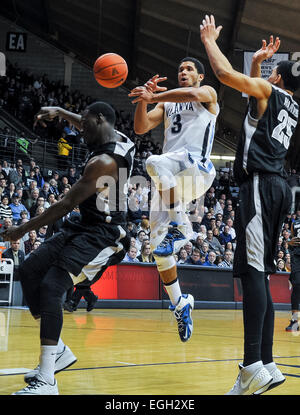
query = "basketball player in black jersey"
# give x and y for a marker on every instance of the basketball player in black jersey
(82, 249)
(264, 199)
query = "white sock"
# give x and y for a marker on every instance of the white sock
(176, 214)
(47, 363)
(60, 346)
(174, 292)
(295, 316)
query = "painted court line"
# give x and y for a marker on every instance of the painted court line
(14, 371)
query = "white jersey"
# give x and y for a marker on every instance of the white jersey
(189, 126)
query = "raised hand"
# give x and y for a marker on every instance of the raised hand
(146, 91)
(153, 86)
(208, 30)
(294, 241)
(267, 51)
(142, 94)
(46, 114)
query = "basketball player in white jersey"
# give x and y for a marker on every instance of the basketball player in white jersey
(182, 173)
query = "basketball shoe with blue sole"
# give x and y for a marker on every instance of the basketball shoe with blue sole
(183, 314)
(173, 240)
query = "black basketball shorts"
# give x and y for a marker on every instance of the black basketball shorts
(264, 201)
(84, 251)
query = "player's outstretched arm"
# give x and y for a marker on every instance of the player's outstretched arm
(189, 94)
(265, 52)
(145, 120)
(49, 113)
(222, 68)
(85, 187)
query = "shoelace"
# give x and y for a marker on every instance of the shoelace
(169, 237)
(35, 384)
(182, 319)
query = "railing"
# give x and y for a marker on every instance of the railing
(44, 153)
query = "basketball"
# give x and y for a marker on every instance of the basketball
(110, 70)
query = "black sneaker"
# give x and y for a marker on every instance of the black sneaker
(91, 304)
(69, 306)
(293, 326)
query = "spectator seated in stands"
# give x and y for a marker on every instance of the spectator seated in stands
(280, 266)
(227, 260)
(3, 186)
(45, 191)
(131, 255)
(62, 183)
(23, 215)
(29, 244)
(188, 247)
(194, 258)
(38, 177)
(17, 207)
(141, 237)
(146, 254)
(5, 209)
(182, 256)
(31, 201)
(17, 176)
(131, 228)
(31, 178)
(205, 250)
(210, 262)
(53, 189)
(17, 255)
(214, 243)
(72, 175)
(225, 236)
(42, 233)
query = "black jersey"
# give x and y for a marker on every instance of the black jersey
(110, 206)
(263, 143)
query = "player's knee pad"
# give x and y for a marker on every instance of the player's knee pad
(164, 263)
(162, 177)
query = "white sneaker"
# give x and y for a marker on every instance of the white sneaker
(63, 360)
(277, 380)
(251, 379)
(38, 386)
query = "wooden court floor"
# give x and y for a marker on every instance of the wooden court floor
(138, 352)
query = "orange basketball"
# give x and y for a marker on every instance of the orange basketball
(110, 70)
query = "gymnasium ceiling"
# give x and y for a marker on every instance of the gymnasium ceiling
(153, 35)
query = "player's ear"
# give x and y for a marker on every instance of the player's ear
(277, 79)
(201, 77)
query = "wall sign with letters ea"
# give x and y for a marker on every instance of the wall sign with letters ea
(16, 41)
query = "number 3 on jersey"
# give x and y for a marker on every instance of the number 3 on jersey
(176, 121)
(283, 131)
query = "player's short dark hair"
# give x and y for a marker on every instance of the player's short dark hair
(289, 75)
(199, 66)
(105, 109)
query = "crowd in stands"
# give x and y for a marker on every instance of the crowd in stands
(25, 192)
